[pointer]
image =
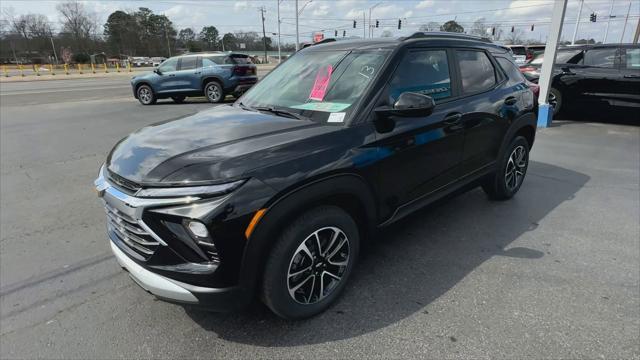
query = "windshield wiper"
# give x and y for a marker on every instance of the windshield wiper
(280, 112)
(245, 107)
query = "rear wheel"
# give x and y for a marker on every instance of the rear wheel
(213, 91)
(179, 99)
(555, 100)
(512, 168)
(311, 263)
(146, 95)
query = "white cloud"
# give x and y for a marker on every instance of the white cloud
(424, 4)
(322, 10)
(408, 13)
(240, 5)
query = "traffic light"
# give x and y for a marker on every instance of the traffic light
(593, 17)
(344, 33)
(354, 24)
(336, 35)
(399, 24)
(493, 31)
(377, 23)
(531, 27)
(513, 28)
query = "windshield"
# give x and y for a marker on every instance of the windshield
(323, 86)
(562, 57)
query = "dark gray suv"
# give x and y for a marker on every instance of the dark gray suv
(214, 75)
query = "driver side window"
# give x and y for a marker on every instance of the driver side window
(169, 65)
(425, 72)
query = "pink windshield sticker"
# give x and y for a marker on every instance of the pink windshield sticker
(322, 82)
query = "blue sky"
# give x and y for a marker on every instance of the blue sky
(329, 15)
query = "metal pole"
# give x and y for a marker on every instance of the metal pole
(545, 111)
(371, 8)
(606, 30)
(575, 31)
(626, 18)
(364, 25)
(55, 55)
(264, 35)
(297, 32)
(637, 35)
(279, 55)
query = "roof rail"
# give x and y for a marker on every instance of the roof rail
(443, 34)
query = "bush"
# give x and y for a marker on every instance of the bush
(81, 58)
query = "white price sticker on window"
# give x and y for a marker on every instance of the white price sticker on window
(336, 117)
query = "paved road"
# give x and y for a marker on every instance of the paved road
(552, 273)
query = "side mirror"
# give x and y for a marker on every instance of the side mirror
(413, 104)
(157, 71)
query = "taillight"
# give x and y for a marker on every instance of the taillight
(529, 55)
(524, 69)
(535, 88)
(244, 70)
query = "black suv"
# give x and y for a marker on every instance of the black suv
(274, 194)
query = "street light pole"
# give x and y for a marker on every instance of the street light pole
(279, 55)
(297, 31)
(626, 18)
(575, 31)
(371, 27)
(606, 30)
(364, 25)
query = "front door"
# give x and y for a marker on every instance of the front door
(420, 154)
(166, 80)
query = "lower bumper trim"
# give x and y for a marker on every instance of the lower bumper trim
(154, 283)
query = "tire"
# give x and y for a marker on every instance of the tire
(178, 99)
(213, 92)
(146, 95)
(555, 99)
(291, 285)
(515, 161)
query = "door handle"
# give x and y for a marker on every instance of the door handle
(172, 75)
(632, 76)
(452, 119)
(510, 100)
(198, 73)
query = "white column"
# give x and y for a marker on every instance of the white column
(297, 33)
(545, 112)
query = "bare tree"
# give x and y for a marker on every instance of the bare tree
(515, 37)
(78, 22)
(479, 27)
(430, 26)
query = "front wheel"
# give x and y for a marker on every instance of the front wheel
(146, 95)
(512, 168)
(213, 91)
(311, 263)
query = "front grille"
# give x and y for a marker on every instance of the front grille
(131, 233)
(123, 183)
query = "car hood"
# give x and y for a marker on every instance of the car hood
(223, 143)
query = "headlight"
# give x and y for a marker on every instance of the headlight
(207, 190)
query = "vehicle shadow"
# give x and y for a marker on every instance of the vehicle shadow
(195, 100)
(601, 114)
(414, 262)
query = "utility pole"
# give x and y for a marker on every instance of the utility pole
(606, 30)
(297, 31)
(575, 31)
(626, 18)
(279, 55)
(55, 55)
(166, 35)
(364, 25)
(637, 35)
(371, 27)
(264, 35)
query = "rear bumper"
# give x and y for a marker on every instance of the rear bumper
(216, 299)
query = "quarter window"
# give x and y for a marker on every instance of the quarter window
(633, 59)
(424, 72)
(188, 63)
(515, 76)
(476, 71)
(600, 57)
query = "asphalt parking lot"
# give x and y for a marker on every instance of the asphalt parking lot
(553, 273)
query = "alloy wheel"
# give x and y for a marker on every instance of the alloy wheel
(213, 92)
(144, 93)
(318, 265)
(516, 168)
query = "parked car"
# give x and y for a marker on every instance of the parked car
(589, 75)
(524, 53)
(156, 61)
(275, 194)
(213, 75)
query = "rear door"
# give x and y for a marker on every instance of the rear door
(187, 76)
(597, 79)
(489, 104)
(630, 81)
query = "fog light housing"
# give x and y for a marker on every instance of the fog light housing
(198, 229)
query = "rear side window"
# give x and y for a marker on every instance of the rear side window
(240, 59)
(188, 63)
(519, 50)
(600, 57)
(512, 71)
(633, 59)
(424, 72)
(476, 71)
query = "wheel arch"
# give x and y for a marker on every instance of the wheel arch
(138, 85)
(347, 191)
(210, 78)
(525, 125)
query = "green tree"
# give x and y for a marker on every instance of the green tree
(121, 31)
(452, 26)
(229, 41)
(209, 36)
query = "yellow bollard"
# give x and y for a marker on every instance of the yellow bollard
(4, 69)
(36, 69)
(129, 66)
(21, 70)
(105, 68)
(66, 68)
(93, 68)
(80, 68)
(51, 69)
(118, 67)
